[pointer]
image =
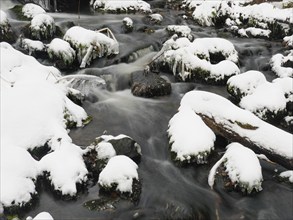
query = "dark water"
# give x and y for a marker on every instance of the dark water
(168, 191)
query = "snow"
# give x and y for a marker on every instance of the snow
(246, 82)
(266, 98)
(288, 41)
(181, 30)
(41, 216)
(3, 18)
(223, 69)
(62, 50)
(30, 10)
(286, 84)
(287, 174)
(122, 5)
(105, 151)
(18, 172)
(32, 45)
(65, 167)
(33, 110)
(42, 25)
(120, 170)
(242, 166)
(81, 39)
(277, 62)
(156, 18)
(189, 136)
(128, 21)
(254, 32)
(224, 112)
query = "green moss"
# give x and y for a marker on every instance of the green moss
(87, 120)
(17, 10)
(246, 126)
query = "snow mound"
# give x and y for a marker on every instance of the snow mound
(254, 32)
(32, 45)
(288, 41)
(122, 6)
(18, 172)
(64, 167)
(41, 216)
(85, 41)
(180, 30)
(30, 10)
(156, 18)
(61, 49)
(242, 167)
(42, 27)
(287, 174)
(286, 84)
(119, 172)
(277, 63)
(240, 122)
(105, 151)
(190, 138)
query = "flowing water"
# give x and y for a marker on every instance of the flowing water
(168, 191)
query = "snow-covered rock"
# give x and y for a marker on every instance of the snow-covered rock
(90, 42)
(41, 216)
(237, 124)
(64, 167)
(190, 139)
(287, 175)
(245, 83)
(242, 167)
(288, 41)
(119, 173)
(6, 33)
(127, 24)
(156, 18)
(42, 27)
(30, 10)
(123, 6)
(254, 32)
(277, 63)
(32, 46)
(61, 50)
(180, 30)
(286, 84)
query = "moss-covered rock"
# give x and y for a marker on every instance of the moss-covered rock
(42, 27)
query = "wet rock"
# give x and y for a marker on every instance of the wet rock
(104, 203)
(149, 85)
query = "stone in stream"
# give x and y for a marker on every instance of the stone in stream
(149, 85)
(5, 29)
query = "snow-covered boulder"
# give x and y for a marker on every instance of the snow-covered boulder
(282, 65)
(288, 41)
(190, 139)
(180, 30)
(6, 33)
(30, 10)
(245, 83)
(123, 6)
(120, 174)
(242, 167)
(287, 175)
(156, 18)
(32, 47)
(206, 59)
(62, 53)
(41, 216)
(42, 27)
(127, 24)
(90, 44)
(64, 168)
(254, 32)
(236, 124)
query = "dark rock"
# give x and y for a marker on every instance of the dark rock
(149, 85)
(104, 203)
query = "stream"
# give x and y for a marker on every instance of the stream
(168, 191)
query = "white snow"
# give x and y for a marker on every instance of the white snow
(82, 39)
(226, 113)
(62, 50)
(288, 41)
(65, 167)
(277, 62)
(41, 216)
(287, 174)
(42, 25)
(286, 84)
(225, 68)
(32, 45)
(254, 32)
(122, 5)
(30, 10)
(181, 30)
(189, 136)
(246, 82)
(128, 21)
(105, 150)
(157, 18)
(120, 170)
(33, 108)
(266, 98)
(242, 166)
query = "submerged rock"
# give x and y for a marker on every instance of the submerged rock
(149, 85)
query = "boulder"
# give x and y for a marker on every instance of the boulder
(149, 85)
